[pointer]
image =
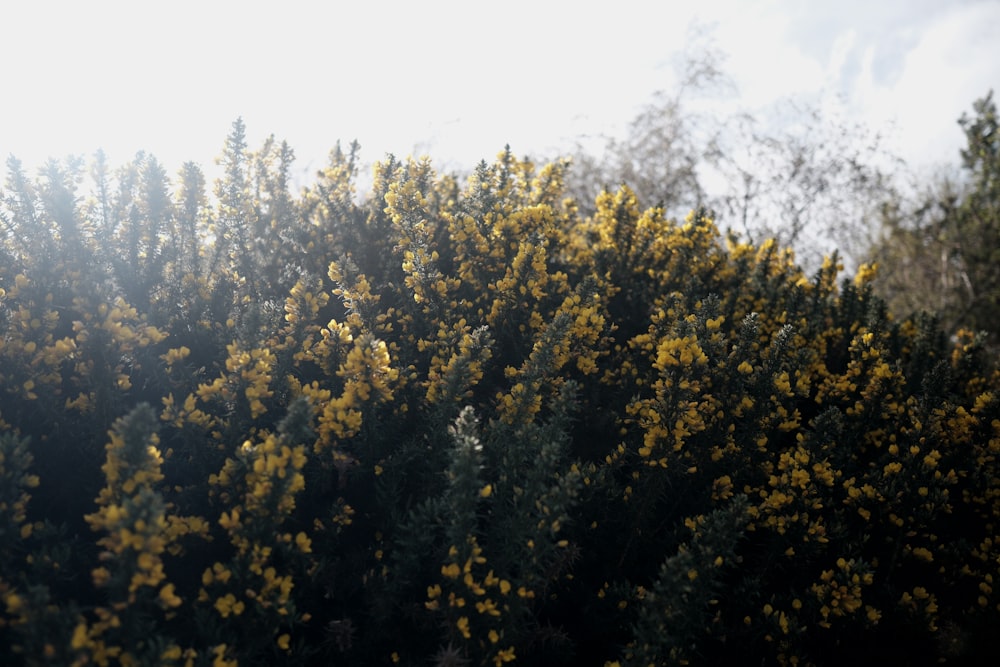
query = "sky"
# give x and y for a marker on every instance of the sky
(458, 80)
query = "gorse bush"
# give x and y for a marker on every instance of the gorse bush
(459, 423)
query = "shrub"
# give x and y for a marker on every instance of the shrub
(465, 425)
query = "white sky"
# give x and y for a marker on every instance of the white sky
(459, 79)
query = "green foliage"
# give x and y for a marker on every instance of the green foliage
(465, 424)
(943, 255)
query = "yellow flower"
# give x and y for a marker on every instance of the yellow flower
(783, 622)
(463, 626)
(866, 273)
(221, 572)
(230, 521)
(487, 607)
(168, 597)
(13, 602)
(283, 641)
(146, 561)
(715, 323)
(101, 576)
(174, 355)
(228, 604)
(504, 655)
(220, 657)
(80, 637)
(172, 653)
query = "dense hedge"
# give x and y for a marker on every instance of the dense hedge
(460, 424)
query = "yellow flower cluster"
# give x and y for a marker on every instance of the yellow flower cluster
(464, 586)
(46, 353)
(303, 305)
(367, 375)
(456, 365)
(137, 531)
(259, 484)
(840, 591)
(15, 463)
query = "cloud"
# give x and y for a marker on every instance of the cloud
(951, 63)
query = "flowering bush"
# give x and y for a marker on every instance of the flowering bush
(460, 423)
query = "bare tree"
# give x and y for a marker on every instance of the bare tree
(796, 171)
